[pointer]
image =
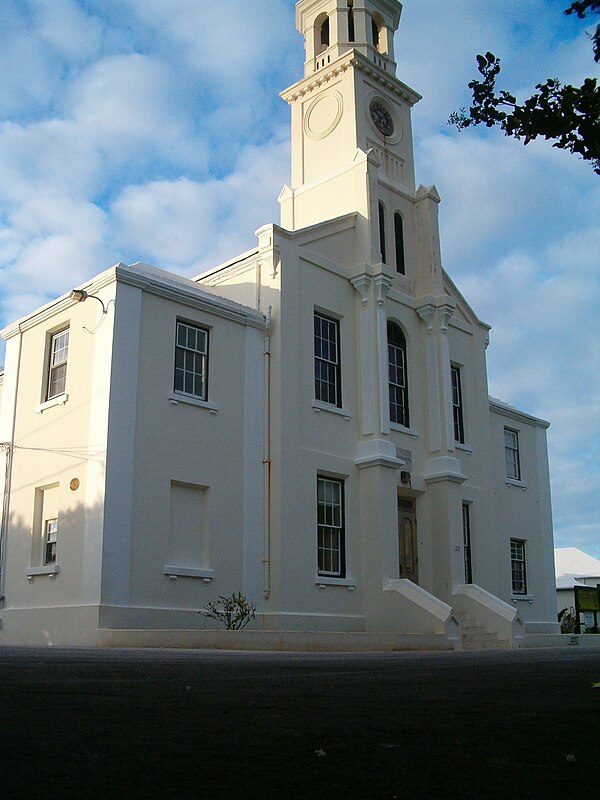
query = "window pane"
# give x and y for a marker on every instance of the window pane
(518, 569)
(329, 527)
(57, 364)
(191, 352)
(399, 240)
(511, 452)
(382, 233)
(327, 375)
(398, 384)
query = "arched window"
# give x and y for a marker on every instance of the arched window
(399, 241)
(382, 233)
(375, 30)
(324, 40)
(351, 33)
(397, 375)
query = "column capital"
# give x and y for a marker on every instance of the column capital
(442, 312)
(362, 284)
(427, 314)
(382, 286)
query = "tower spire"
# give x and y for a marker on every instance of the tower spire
(332, 27)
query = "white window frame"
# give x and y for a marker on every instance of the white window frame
(518, 567)
(56, 377)
(327, 364)
(331, 543)
(192, 353)
(512, 458)
(50, 537)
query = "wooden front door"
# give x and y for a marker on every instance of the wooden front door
(408, 556)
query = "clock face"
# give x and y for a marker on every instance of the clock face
(382, 118)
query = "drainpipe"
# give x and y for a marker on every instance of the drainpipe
(8, 449)
(267, 458)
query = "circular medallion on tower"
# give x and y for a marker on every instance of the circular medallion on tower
(382, 118)
(323, 115)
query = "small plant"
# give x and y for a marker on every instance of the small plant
(234, 612)
(568, 620)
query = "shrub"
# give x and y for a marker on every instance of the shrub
(568, 620)
(234, 612)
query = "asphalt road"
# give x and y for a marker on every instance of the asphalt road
(91, 723)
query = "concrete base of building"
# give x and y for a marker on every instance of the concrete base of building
(561, 640)
(294, 641)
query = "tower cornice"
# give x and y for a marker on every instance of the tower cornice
(350, 60)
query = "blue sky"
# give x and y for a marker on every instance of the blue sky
(152, 130)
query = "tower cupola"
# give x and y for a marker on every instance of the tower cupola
(332, 27)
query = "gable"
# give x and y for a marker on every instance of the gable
(463, 312)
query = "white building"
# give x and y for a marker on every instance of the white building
(573, 568)
(308, 424)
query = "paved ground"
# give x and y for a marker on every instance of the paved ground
(91, 723)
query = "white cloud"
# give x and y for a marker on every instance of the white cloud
(191, 226)
(54, 242)
(67, 29)
(230, 42)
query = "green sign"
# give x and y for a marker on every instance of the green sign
(587, 598)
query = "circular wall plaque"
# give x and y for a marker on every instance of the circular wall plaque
(74, 485)
(323, 115)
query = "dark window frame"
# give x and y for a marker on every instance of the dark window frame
(399, 243)
(351, 30)
(467, 551)
(382, 242)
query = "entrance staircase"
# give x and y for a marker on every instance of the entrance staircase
(486, 622)
(478, 637)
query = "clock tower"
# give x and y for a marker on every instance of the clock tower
(352, 138)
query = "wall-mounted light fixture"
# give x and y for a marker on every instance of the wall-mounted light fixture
(80, 295)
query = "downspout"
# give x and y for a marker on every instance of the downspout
(8, 448)
(267, 458)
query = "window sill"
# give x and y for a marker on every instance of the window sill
(517, 484)
(464, 447)
(59, 400)
(327, 580)
(173, 573)
(319, 405)
(51, 570)
(527, 598)
(395, 426)
(175, 398)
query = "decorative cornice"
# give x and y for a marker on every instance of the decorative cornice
(510, 412)
(347, 61)
(316, 81)
(389, 82)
